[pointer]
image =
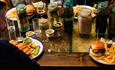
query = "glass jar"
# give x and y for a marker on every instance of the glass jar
(52, 12)
(11, 29)
(84, 21)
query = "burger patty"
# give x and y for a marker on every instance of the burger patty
(98, 51)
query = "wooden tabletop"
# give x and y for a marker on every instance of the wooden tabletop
(62, 58)
(66, 60)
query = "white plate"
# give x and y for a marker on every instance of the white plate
(100, 61)
(37, 42)
(89, 7)
(41, 47)
(14, 19)
(36, 4)
(9, 11)
(85, 6)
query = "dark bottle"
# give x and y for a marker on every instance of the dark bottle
(68, 17)
(111, 29)
(101, 18)
(23, 22)
(68, 21)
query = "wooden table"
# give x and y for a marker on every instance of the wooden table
(59, 56)
(66, 60)
(70, 61)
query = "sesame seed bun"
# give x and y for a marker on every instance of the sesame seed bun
(98, 45)
(30, 9)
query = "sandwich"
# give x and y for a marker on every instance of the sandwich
(30, 9)
(97, 48)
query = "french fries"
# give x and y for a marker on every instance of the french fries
(78, 8)
(109, 57)
(12, 14)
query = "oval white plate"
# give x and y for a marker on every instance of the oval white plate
(85, 6)
(100, 61)
(37, 42)
(12, 9)
(40, 45)
(9, 11)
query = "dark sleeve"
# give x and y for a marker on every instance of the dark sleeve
(12, 57)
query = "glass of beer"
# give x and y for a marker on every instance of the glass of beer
(36, 27)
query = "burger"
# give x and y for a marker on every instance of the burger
(30, 9)
(97, 48)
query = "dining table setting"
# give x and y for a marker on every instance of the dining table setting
(44, 40)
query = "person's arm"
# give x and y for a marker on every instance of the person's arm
(11, 56)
